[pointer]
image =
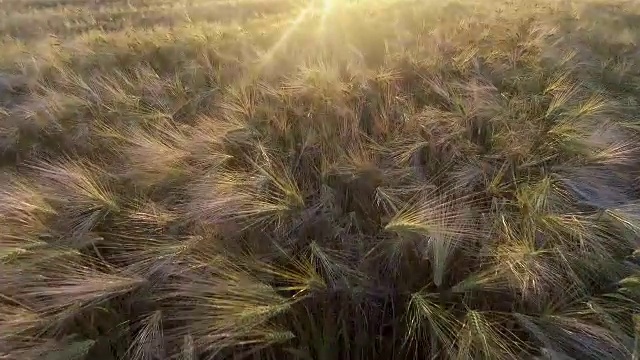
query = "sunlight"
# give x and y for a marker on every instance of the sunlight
(326, 9)
(268, 55)
(328, 4)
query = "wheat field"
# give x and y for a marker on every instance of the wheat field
(319, 180)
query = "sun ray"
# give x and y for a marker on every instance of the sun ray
(266, 57)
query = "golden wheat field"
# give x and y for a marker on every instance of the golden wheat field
(319, 180)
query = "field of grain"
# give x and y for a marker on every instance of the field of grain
(319, 180)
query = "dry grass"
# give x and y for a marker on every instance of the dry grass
(298, 179)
